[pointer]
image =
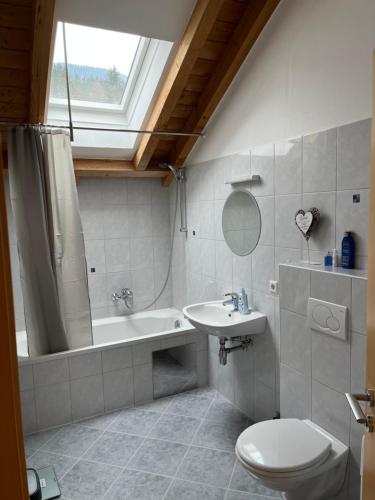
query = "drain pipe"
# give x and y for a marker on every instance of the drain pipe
(244, 344)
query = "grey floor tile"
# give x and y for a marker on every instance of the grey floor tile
(223, 410)
(88, 481)
(207, 392)
(239, 495)
(189, 405)
(113, 448)
(218, 435)
(72, 440)
(159, 457)
(184, 490)
(207, 466)
(138, 422)
(101, 422)
(29, 451)
(158, 405)
(35, 441)
(242, 481)
(175, 428)
(137, 485)
(42, 459)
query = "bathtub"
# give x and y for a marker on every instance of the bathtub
(120, 329)
(115, 372)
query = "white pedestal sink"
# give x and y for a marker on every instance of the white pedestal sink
(220, 320)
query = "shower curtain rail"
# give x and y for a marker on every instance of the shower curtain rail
(100, 129)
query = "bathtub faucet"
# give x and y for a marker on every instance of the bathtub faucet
(126, 295)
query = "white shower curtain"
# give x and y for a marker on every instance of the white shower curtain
(50, 240)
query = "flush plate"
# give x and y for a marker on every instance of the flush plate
(328, 318)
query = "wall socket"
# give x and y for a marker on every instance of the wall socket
(273, 287)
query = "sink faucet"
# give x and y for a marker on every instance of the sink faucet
(233, 300)
(126, 295)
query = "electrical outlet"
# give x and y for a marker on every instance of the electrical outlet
(273, 287)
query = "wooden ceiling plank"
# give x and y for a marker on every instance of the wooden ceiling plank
(13, 95)
(14, 78)
(16, 39)
(15, 16)
(200, 24)
(14, 59)
(84, 167)
(247, 32)
(43, 44)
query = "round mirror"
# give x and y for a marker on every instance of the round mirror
(241, 222)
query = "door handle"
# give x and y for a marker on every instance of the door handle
(359, 415)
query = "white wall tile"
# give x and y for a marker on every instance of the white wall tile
(286, 232)
(87, 396)
(207, 258)
(284, 256)
(142, 352)
(28, 411)
(354, 155)
(114, 190)
(243, 371)
(118, 389)
(264, 402)
(295, 394)
(117, 358)
(242, 272)
(324, 235)
(139, 192)
(288, 167)
(223, 262)
(319, 162)
(223, 173)
(353, 216)
(51, 372)
(331, 361)
(206, 185)
(95, 256)
(263, 267)
(140, 221)
(294, 289)
(358, 363)
(84, 365)
(97, 290)
(92, 223)
(267, 212)
(160, 220)
(295, 342)
(115, 221)
(25, 373)
(332, 288)
(53, 405)
(240, 164)
(141, 253)
(143, 384)
(117, 254)
(207, 219)
(262, 163)
(89, 193)
(218, 214)
(331, 411)
(115, 283)
(359, 305)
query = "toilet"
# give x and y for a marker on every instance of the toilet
(295, 457)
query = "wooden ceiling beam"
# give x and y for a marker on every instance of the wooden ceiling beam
(253, 20)
(43, 43)
(193, 40)
(87, 167)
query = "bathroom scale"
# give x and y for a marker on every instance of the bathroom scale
(48, 482)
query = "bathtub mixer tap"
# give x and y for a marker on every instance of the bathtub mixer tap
(126, 295)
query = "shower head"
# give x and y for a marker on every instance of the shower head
(171, 168)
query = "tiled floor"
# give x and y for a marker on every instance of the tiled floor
(177, 448)
(170, 377)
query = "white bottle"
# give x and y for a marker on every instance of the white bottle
(335, 257)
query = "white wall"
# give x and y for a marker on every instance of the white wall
(310, 70)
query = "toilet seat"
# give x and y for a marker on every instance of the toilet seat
(282, 448)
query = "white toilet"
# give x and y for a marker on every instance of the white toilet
(295, 457)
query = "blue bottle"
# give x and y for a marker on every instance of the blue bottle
(348, 251)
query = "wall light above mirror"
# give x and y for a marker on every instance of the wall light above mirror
(241, 222)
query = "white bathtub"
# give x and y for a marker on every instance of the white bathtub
(120, 329)
(115, 372)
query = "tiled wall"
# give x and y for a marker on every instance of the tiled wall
(126, 226)
(324, 170)
(316, 369)
(71, 386)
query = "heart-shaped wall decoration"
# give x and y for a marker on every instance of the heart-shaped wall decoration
(307, 221)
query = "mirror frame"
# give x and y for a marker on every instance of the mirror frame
(252, 197)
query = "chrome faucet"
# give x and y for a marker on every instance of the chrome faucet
(233, 300)
(126, 295)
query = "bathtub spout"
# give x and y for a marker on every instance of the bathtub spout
(126, 295)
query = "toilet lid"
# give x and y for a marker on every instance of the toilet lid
(283, 445)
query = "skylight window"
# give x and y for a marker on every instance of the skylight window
(113, 77)
(99, 64)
